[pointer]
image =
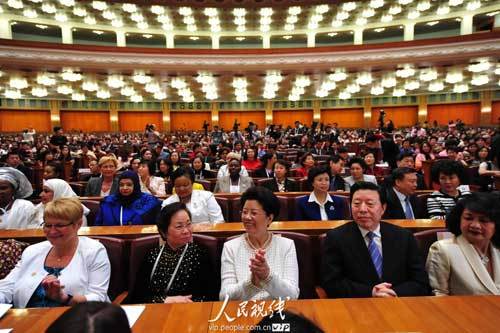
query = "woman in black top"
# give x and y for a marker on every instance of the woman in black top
(179, 271)
(280, 182)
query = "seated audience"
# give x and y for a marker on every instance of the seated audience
(175, 158)
(224, 169)
(450, 175)
(469, 262)
(107, 183)
(54, 189)
(179, 270)
(402, 203)
(371, 168)
(405, 160)
(16, 213)
(95, 317)
(164, 169)
(53, 170)
(425, 154)
(489, 171)
(95, 172)
(149, 183)
(357, 166)
(337, 183)
(235, 182)
(307, 162)
(259, 265)
(280, 182)
(201, 204)
(250, 160)
(369, 257)
(199, 168)
(64, 270)
(319, 205)
(129, 206)
(267, 169)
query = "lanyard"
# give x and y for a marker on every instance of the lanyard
(121, 215)
(175, 270)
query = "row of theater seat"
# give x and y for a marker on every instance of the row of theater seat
(231, 209)
(126, 256)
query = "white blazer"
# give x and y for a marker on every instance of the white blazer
(202, 206)
(87, 273)
(455, 268)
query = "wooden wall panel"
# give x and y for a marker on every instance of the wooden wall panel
(495, 113)
(400, 115)
(86, 121)
(135, 121)
(288, 117)
(442, 113)
(344, 117)
(187, 120)
(226, 119)
(18, 120)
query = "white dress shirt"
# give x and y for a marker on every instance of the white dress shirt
(87, 273)
(156, 183)
(322, 211)
(402, 200)
(202, 206)
(237, 278)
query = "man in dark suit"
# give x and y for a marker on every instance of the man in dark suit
(402, 203)
(13, 160)
(336, 164)
(406, 160)
(370, 258)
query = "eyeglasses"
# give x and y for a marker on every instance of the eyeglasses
(56, 226)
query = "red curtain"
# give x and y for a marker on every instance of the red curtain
(86, 121)
(469, 113)
(18, 120)
(495, 113)
(135, 121)
(401, 116)
(344, 117)
(288, 117)
(187, 120)
(226, 119)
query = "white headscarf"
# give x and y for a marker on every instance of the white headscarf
(60, 188)
(21, 184)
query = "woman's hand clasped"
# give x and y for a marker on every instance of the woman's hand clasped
(54, 288)
(259, 267)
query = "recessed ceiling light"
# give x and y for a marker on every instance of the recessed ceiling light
(98, 32)
(148, 36)
(332, 34)
(240, 38)
(41, 26)
(194, 37)
(432, 23)
(287, 37)
(379, 29)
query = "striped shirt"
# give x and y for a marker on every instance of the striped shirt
(439, 204)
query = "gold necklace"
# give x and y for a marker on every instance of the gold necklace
(266, 243)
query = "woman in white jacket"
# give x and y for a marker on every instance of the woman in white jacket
(64, 270)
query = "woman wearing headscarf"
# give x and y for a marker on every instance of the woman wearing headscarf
(15, 212)
(54, 189)
(129, 205)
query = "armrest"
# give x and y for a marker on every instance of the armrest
(120, 298)
(321, 292)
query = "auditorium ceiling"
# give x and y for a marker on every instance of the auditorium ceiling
(236, 72)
